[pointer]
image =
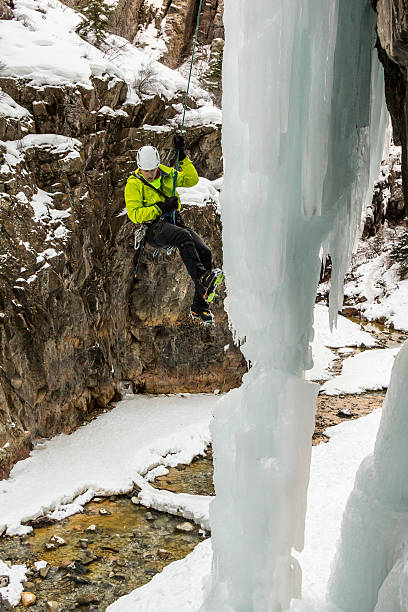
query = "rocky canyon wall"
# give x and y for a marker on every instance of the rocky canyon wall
(171, 23)
(392, 44)
(73, 323)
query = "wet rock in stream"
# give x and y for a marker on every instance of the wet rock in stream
(4, 581)
(28, 599)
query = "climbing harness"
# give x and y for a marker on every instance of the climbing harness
(138, 232)
(185, 101)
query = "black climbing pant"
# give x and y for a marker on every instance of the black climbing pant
(194, 253)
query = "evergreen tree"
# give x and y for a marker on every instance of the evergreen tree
(213, 75)
(96, 20)
(399, 253)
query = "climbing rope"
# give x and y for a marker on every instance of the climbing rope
(141, 244)
(185, 101)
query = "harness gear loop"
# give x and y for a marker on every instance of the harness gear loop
(185, 102)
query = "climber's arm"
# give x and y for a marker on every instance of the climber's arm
(187, 176)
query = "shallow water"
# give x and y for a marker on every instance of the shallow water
(196, 478)
(386, 336)
(128, 547)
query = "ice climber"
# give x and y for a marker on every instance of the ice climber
(149, 201)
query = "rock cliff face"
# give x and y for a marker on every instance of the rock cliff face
(5, 9)
(73, 323)
(388, 201)
(392, 28)
(168, 26)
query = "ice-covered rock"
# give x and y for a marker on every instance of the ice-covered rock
(370, 571)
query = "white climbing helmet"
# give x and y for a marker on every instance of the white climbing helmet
(148, 158)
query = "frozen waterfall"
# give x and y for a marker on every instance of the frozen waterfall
(304, 119)
(371, 569)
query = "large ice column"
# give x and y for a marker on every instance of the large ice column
(371, 567)
(300, 89)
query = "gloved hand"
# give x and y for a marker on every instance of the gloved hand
(168, 204)
(179, 146)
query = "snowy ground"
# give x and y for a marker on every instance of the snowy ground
(345, 334)
(374, 286)
(364, 367)
(167, 431)
(367, 371)
(333, 470)
(40, 44)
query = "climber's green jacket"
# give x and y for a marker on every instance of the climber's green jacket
(141, 200)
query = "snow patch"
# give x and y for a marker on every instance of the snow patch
(10, 108)
(345, 332)
(17, 575)
(194, 507)
(40, 564)
(180, 587)
(160, 129)
(207, 114)
(200, 194)
(366, 371)
(40, 203)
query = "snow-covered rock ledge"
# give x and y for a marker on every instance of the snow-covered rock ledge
(108, 455)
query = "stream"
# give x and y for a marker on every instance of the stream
(111, 548)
